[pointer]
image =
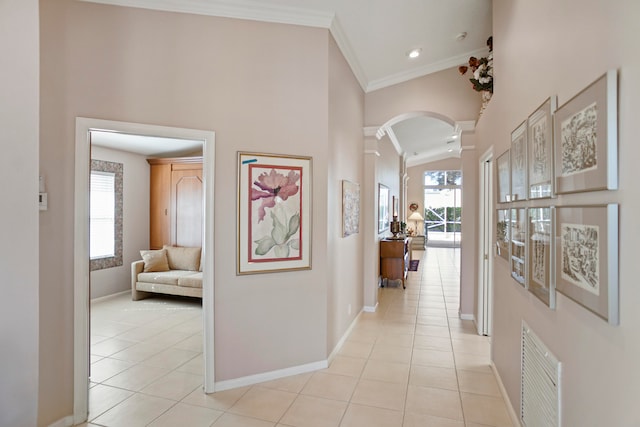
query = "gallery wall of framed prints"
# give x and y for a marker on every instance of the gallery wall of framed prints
(549, 242)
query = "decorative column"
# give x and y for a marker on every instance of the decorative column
(369, 210)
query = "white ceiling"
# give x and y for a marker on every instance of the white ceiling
(375, 37)
(150, 146)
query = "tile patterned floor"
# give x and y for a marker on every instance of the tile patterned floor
(412, 363)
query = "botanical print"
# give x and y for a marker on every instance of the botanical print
(275, 212)
(503, 178)
(518, 167)
(502, 234)
(580, 256)
(350, 208)
(518, 239)
(579, 143)
(540, 163)
(540, 231)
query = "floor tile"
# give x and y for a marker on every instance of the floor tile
(221, 400)
(137, 411)
(293, 384)
(421, 420)
(349, 366)
(233, 420)
(356, 349)
(433, 376)
(487, 410)
(136, 377)
(170, 358)
(329, 386)
(434, 401)
(479, 383)
(107, 368)
(263, 403)
(431, 357)
(368, 416)
(103, 398)
(175, 385)
(187, 415)
(309, 411)
(386, 371)
(380, 394)
(389, 353)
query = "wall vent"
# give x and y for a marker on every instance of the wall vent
(540, 389)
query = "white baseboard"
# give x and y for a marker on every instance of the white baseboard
(269, 376)
(370, 309)
(64, 422)
(465, 316)
(108, 297)
(515, 419)
(340, 343)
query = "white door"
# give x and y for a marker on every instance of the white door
(485, 262)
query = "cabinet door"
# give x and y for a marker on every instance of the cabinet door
(186, 200)
(159, 205)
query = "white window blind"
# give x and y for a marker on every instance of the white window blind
(102, 215)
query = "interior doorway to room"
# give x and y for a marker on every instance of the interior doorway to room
(443, 208)
(135, 134)
(485, 246)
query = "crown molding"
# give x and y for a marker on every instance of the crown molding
(423, 71)
(239, 9)
(347, 51)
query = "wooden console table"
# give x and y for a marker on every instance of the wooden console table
(395, 255)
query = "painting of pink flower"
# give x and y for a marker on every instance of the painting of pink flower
(271, 185)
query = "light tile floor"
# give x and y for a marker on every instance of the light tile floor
(412, 363)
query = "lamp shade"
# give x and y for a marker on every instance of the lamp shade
(415, 216)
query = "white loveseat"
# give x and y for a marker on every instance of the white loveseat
(171, 270)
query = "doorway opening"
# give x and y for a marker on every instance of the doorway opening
(443, 208)
(485, 252)
(84, 129)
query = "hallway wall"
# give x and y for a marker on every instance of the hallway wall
(549, 48)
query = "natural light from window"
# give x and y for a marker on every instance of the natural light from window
(102, 215)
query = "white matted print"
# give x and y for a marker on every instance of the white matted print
(586, 139)
(274, 213)
(540, 155)
(518, 229)
(504, 177)
(540, 231)
(519, 190)
(502, 233)
(350, 208)
(586, 257)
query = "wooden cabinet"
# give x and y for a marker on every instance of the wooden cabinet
(395, 255)
(176, 202)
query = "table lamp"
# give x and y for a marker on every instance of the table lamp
(415, 216)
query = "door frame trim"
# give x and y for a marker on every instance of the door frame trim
(81, 272)
(485, 288)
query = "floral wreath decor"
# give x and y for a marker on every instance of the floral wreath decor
(482, 68)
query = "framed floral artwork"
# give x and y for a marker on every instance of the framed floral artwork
(540, 155)
(504, 177)
(586, 257)
(274, 213)
(586, 138)
(539, 280)
(502, 234)
(350, 208)
(519, 190)
(518, 244)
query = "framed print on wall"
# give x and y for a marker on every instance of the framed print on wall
(586, 138)
(274, 213)
(539, 281)
(586, 257)
(519, 190)
(502, 234)
(504, 177)
(518, 254)
(383, 208)
(350, 208)
(540, 153)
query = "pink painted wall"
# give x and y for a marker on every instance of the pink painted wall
(261, 87)
(550, 48)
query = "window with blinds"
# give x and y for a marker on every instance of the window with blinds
(102, 215)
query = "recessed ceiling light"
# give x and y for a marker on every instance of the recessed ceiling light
(454, 136)
(461, 36)
(414, 53)
(450, 150)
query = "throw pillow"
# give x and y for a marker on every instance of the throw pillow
(155, 260)
(183, 258)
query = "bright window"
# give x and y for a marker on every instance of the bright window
(102, 215)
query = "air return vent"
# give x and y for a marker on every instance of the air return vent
(540, 383)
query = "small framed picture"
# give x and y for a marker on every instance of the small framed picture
(539, 281)
(518, 229)
(586, 138)
(540, 153)
(504, 178)
(383, 208)
(502, 234)
(519, 190)
(350, 208)
(586, 257)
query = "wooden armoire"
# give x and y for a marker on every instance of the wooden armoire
(176, 202)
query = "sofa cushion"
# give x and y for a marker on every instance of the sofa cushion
(183, 258)
(170, 277)
(155, 260)
(191, 281)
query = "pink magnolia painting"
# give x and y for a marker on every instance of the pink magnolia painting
(273, 213)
